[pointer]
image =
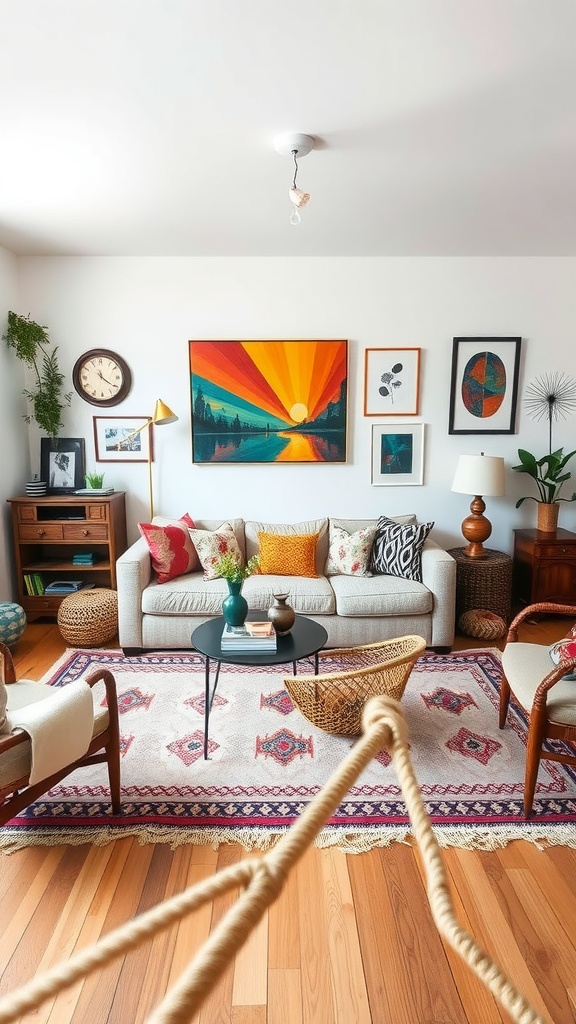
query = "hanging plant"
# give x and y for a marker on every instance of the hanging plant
(31, 343)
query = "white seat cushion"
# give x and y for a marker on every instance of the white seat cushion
(525, 666)
(306, 595)
(380, 595)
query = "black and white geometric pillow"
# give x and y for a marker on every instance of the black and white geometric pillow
(397, 550)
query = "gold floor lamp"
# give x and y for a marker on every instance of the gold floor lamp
(162, 415)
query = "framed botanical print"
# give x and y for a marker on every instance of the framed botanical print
(268, 401)
(484, 385)
(397, 454)
(391, 381)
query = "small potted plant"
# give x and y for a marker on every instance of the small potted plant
(550, 476)
(229, 567)
(94, 481)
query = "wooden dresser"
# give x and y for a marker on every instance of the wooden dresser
(49, 531)
(544, 566)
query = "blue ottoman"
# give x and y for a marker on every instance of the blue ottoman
(12, 622)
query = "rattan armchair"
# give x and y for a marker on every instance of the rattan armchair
(334, 701)
(15, 747)
(540, 687)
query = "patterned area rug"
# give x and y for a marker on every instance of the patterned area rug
(266, 761)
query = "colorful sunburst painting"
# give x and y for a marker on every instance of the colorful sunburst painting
(268, 401)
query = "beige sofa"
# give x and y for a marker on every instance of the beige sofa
(353, 609)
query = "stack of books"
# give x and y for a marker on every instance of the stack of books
(84, 558)
(252, 636)
(67, 587)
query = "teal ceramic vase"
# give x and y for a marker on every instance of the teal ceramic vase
(235, 606)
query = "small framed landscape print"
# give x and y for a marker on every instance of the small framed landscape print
(484, 385)
(397, 454)
(391, 381)
(62, 464)
(123, 438)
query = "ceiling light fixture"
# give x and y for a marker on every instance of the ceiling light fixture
(297, 146)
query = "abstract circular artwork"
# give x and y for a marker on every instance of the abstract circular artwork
(483, 384)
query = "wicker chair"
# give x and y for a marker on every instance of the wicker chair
(16, 792)
(334, 701)
(540, 687)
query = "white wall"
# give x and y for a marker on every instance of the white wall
(147, 309)
(14, 453)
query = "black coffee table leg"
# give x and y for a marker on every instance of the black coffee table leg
(208, 700)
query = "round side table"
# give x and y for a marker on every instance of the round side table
(483, 582)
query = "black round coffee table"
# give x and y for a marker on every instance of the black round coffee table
(304, 640)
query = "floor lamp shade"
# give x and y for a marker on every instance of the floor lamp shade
(479, 475)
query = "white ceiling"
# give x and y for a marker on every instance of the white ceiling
(147, 127)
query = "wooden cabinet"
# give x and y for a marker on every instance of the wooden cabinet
(48, 532)
(544, 566)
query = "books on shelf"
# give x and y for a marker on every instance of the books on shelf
(252, 636)
(33, 584)
(84, 559)
(67, 586)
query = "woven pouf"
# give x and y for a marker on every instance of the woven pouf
(12, 622)
(89, 618)
(482, 624)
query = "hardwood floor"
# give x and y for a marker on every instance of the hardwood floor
(349, 941)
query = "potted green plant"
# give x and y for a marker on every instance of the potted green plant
(549, 476)
(31, 343)
(230, 568)
(94, 480)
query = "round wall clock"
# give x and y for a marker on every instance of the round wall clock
(101, 377)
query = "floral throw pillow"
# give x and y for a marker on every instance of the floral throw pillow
(210, 545)
(171, 550)
(349, 553)
(565, 650)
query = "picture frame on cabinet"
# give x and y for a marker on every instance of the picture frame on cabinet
(484, 385)
(123, 439)
(391, 381)
(62, 464)
(397, 454)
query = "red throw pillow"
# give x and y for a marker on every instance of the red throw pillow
(171, 550)
(565, 649)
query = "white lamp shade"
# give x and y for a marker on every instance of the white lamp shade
(479, 474)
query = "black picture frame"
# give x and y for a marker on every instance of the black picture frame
(62, 464)
(478, 406)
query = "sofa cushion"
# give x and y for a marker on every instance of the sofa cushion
(320, 526)
(290, 554)
(380, 596)
(564, 650)
(187, 595)
(212, 544)
(349, 553)
(351, 525)
(397, 549)
(306, 595)
(171, 550)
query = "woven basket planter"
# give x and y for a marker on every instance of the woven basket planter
(89, 618)
(335, 701)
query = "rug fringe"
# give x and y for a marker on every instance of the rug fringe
(490, 839)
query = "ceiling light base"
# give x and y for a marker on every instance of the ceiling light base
(286, 144)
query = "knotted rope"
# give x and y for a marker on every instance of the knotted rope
(262, 879)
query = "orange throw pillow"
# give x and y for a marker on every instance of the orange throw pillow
(292, 554)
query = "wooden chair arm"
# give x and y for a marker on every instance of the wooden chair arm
(6, 665)
(543, 608)
(553, 677)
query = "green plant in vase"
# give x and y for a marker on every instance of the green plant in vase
(549, 397)
(229, 567)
